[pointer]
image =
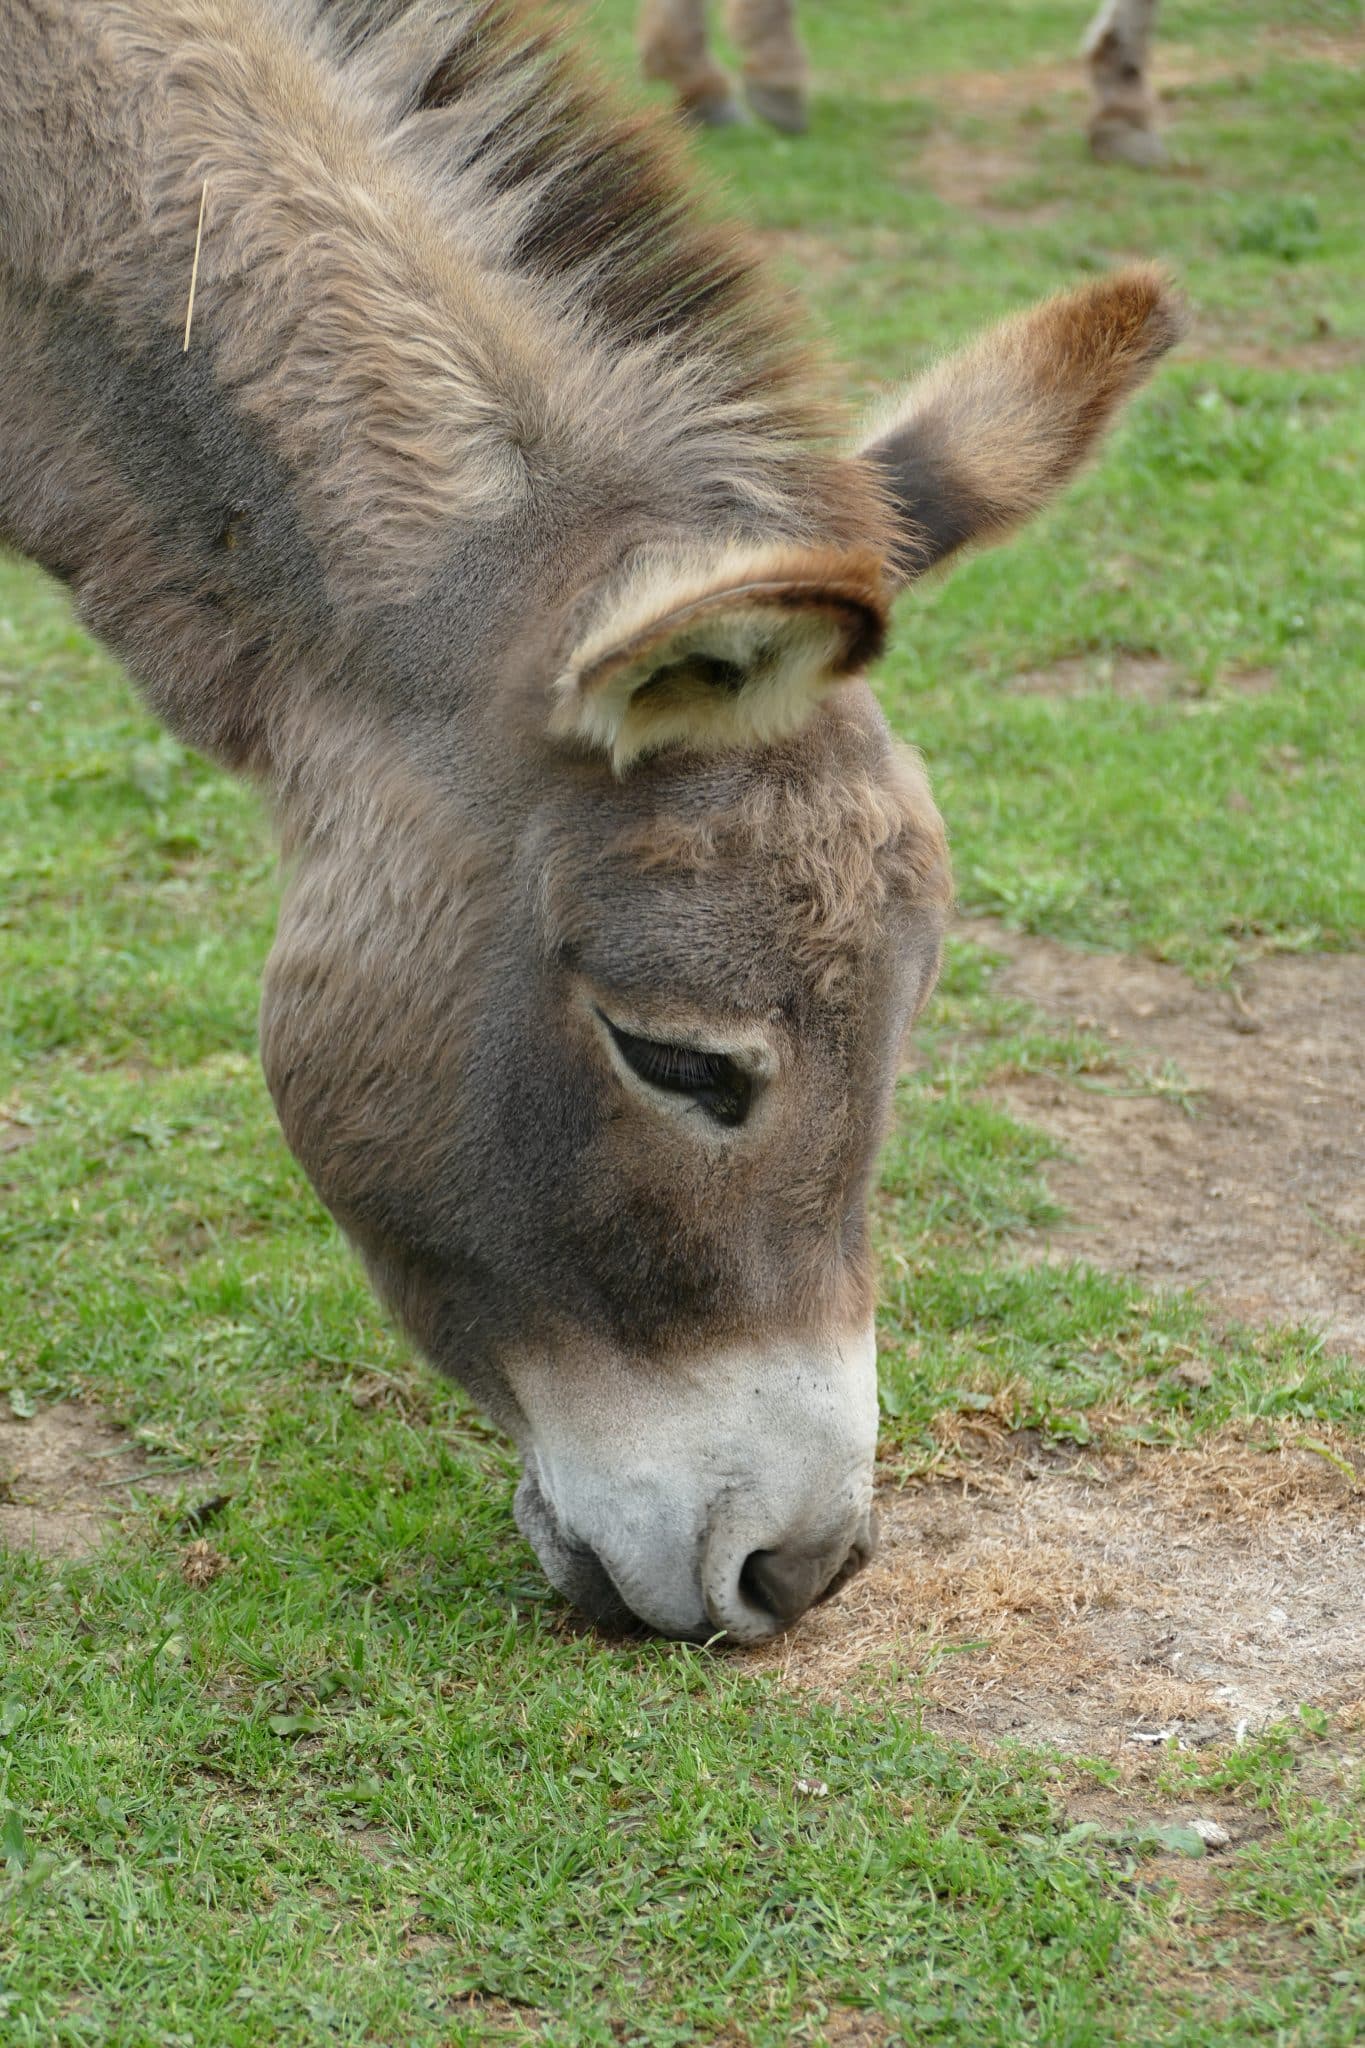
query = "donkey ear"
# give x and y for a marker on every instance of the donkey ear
(732, 649)
(982, 441)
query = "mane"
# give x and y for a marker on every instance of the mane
(591, 208)
(502, 110)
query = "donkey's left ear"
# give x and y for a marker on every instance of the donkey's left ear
(723, 649)
(987, 437)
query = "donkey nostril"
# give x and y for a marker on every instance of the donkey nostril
(754, 1583)
(750, 1597)
(784, 1583)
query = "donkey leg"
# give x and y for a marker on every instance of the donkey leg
(1123, 124)
(775, 72)
(672, 42)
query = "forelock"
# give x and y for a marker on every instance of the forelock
(842, 848)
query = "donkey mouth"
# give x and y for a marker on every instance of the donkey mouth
(572, 1569)
(766, 1595)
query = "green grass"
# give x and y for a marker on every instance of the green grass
(367, 1778)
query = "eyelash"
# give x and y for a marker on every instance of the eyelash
(713, 1080)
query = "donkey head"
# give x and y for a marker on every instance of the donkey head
(586, 1027)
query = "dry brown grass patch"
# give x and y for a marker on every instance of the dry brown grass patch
(1099, 1600)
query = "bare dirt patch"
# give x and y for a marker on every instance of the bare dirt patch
(845, 2028)
(1051, 82)
(1137, 678)
(1311, 44)
(65, 1476)
(812, 259)
(496, 2019)
(1134, 678)
(1105, 1603)
(980, 175)
(841, 2027)
(1321, 352)
(16, 1131)
(1246, 1178)
(1060, 85)
(1021, 87)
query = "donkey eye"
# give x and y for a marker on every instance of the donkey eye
(718, 1084)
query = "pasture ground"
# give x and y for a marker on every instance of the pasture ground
(295, 1745)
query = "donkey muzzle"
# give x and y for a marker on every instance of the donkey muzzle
(724, 1497)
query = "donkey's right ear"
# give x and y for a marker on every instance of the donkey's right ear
(981, 442)
(730, 647)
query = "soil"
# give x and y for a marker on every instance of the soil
(981, 175)
(65, 1477)
(1175, 66)
(15, 1133)
(813, 260)
(841, 2027)
(496, 2019)
(1320, 353)
(1107, 1603)
(1135, 678)
(1240, 1168)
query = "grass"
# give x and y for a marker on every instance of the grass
(367, 1785)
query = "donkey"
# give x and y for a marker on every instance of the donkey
(477, 502)
(674, 48)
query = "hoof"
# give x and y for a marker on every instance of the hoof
(713, 110)
(781, 106)
(1119, 142)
